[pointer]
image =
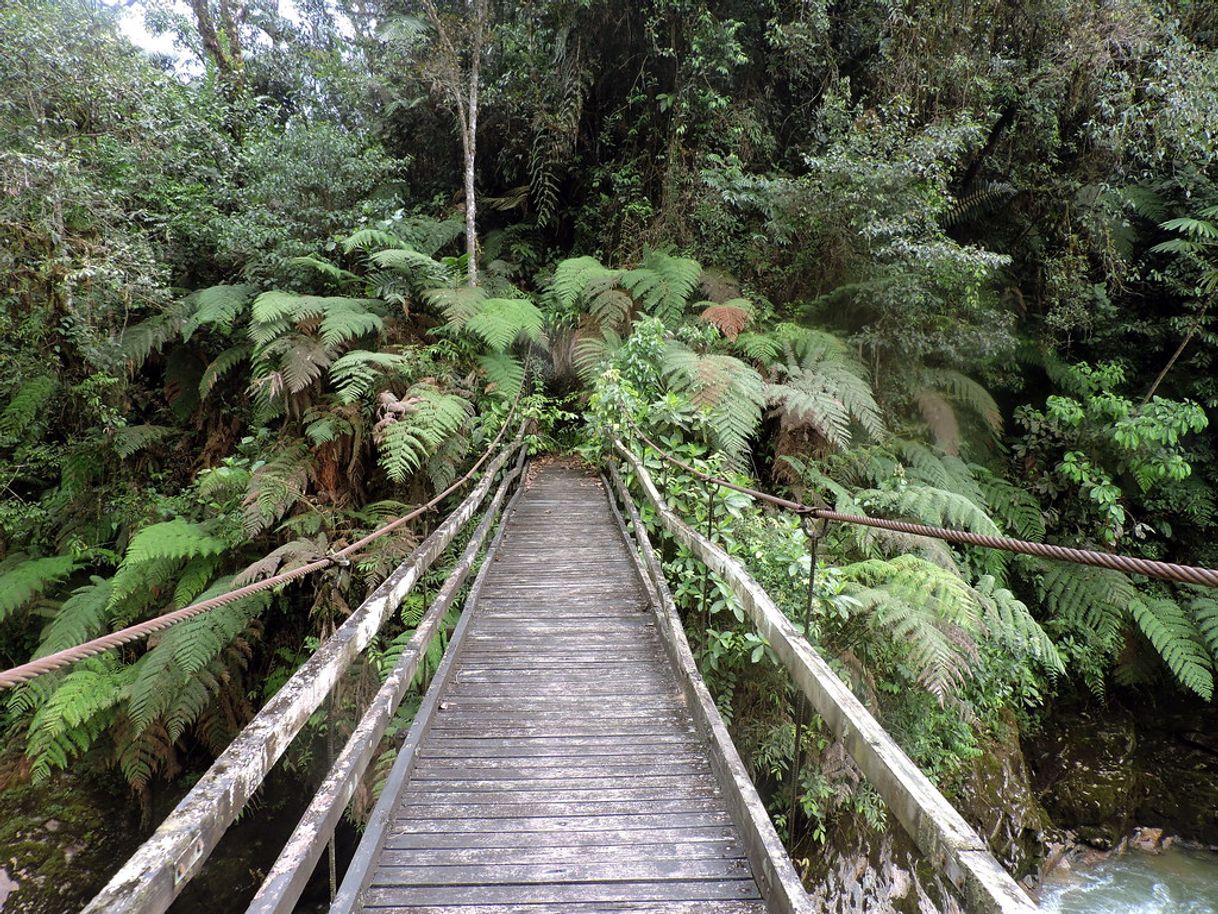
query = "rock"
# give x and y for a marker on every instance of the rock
(53, 825)
(7, 885)
(1147, 839)
(995, 795)
(1087, 772)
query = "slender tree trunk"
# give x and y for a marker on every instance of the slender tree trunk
(470, 138)
(1176, 355)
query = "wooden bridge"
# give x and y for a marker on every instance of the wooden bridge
(567, 756)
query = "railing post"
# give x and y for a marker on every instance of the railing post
(710, 535)
(813, 534)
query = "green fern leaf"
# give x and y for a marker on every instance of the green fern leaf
(407, 442)
(21, 415)
(81, 617)
(131, 439)
(504, 374)
(729, 392)
(220, 366)
(1174, 636)
(499, 322)
(26, 579)
(217, 306)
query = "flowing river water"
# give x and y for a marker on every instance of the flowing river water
(1179, 880)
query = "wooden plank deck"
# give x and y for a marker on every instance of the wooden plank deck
(556, 765)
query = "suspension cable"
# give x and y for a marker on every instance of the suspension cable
(66, 657)
(1167, 571)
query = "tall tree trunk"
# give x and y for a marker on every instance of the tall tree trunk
(480, 15)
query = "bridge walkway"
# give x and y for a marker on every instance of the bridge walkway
(556, 764)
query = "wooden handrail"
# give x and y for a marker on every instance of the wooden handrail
(941, 833)
(151, 879)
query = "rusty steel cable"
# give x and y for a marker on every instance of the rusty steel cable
(34, 668)
(1166, 571)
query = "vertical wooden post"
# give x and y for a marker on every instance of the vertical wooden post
(813, 536)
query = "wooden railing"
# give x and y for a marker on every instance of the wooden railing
(950, 844)
(150, 881)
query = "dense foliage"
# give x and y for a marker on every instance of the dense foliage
(952, 263)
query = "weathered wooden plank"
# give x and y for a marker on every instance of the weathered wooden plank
(706, 890)
(941, 833)
(544, 842)
(594, 907)
(619, 853)
(558, 764)
(504, 807)
(582, 821)
(617, 870)
(602, 784)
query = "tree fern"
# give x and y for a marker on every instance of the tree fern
(77, 713)
(131, 439)
(422, 271)
(27, 405)
(221, 365)
(928, 609)
(155, 555)
(1009, 622)
(729, 392)
(1090, 602)
(499, 322)
(663, 284)
(504, 373)
(319, 265)
(217, 306)
(183, 652)
(573, 276)
(367, 238)
(967, 393)
(1175, 637)
(23, 579)
(1017, 509)
(355, 373)
(730, 317)
(407, 441)
(933, 506)
(275, 488)
(80, 617)
(458, 304)
(1204, 607)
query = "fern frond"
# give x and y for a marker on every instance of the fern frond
(367, 238)
(408, 441)
(26, 579)
(355, 373)
(572, 276)
(933, 506)
(419, 268)
(760, 347)
(504, 374)
(1010, 623)
(77, 713)
(275, 487)
(1017, 509)
(221, 365)
(323, 267)
(217, 306)
(1205, 612)
(458, 304)
(82, 616)
(730, 317)
(499, 322)
(663, 284)
(131, 439)
(23, 410)
(1175, 638)
(968, 393)
(1091, 602)
(729, 392)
